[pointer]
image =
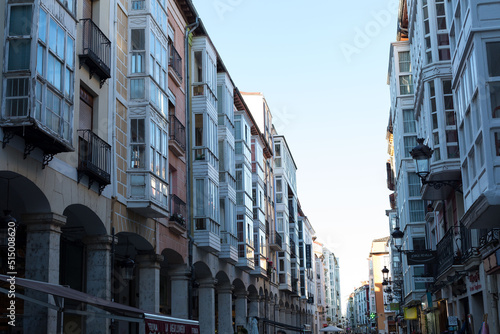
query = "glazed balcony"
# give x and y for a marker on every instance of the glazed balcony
(260, 266)
(96, 51)
(447, 171)
(177, 142)
(94, 159)
(39, 127)
(207, 234)
(148, 195)
(245, 257)
(229, 247)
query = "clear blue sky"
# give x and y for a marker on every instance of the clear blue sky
(322, 67)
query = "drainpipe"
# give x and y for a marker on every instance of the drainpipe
(188, 30)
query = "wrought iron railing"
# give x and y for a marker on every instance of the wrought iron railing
(97, 47)
(470, 242)
(492, 237)
(446, 252)
(293, 252)
(178, 131)
(175, 61)
(94, 157)
(178, 208)
(278, 240)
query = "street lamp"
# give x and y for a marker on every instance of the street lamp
(397, 237)
(422, 155)
(385, 276)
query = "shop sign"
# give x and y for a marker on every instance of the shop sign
(166, 327)
(421, 257)
(423, 279)
(474, 281)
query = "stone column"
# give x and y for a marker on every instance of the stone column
(179, 293)
(263, 307)
(253, 308)
(225, 311)
(240, 309)
(149, 281)
(98, 277)
(283, 317)
(42, 264)
(288, 317)
(206, 295)
(277, 313)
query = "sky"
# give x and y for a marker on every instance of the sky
(322, 67)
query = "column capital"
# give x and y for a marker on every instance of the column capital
(207, 283)
(149, 260)
(44, 221)
(179, 275)
(225, 289)
(254, 298)
(241, 294)
(98, 242)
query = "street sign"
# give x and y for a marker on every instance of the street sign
(423, 279)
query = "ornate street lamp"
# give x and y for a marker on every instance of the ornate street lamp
(422, 155)
(397, 237)
(385, 276)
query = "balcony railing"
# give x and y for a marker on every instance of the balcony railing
(293, 251)
(470, 242)
(178, 132)
(96, 51)
(94, 159)
(446, 251)
(175, 61)
(178, 206)
(276, 242)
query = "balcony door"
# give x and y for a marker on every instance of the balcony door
(85, 123)
(87, 9)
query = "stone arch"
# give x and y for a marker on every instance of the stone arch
(202, 271)
(222, 279)
(22, 196)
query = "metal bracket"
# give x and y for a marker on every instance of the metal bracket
(28, 148)
(7, 136)
(46, 159)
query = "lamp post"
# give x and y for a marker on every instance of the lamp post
(397, 237)
(422, 155)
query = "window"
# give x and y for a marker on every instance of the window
(55, 66)
(492, 52)
(138, 4)
(416, 210)
(414, 184)
(137, 144)
(497, 143)
(409, 121)
(404, 61)
(158, 67)
(419, 243)
(138, 50)
(19, 40)
(405, 84)
(136, 89)
(409, 143)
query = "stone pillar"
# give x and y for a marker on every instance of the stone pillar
(263, 307)
(283, 315)
(179, 293)
(288, 317)
(225, 311)
(206, 295)
(240, 309)
(149, 284)
(42, 264)
(277, 313)
(149, 281)
(98, 277)
(253, 308)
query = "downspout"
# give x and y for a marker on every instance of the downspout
(114, 191)
(188, 30)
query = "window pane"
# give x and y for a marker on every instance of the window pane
(60, 42)
(53, 35)
(138, 39)
(40, 55)
(20, 20)
(492, 52)
(42, 26)
(19, 54)
(54, 71)
(495, 99)
(70, 52)
(137, 88)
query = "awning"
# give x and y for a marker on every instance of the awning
(162, 323)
